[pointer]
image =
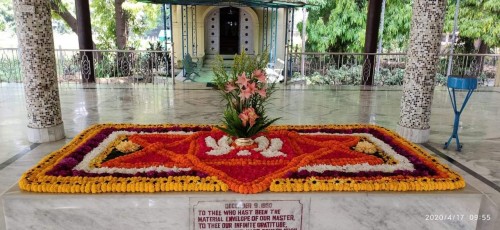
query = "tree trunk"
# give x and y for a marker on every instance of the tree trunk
(483, 49)
(371, 39)
(497, 75)
(85, 41)
(58, 7)
(121, 25)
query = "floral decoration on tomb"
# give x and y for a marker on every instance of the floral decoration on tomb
(163, 158)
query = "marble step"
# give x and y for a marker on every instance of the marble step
(210, 63)
(320, 210)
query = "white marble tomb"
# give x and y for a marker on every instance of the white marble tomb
(321, 210)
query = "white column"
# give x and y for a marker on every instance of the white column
(38, 66)
(418, 86)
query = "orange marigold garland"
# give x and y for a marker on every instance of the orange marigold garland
(161, 158)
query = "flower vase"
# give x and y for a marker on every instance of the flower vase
(241, 142)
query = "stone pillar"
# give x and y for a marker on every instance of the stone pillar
(418, 86)
(38, 67)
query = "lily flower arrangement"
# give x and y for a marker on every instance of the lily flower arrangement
(246, 92)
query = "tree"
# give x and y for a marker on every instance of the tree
(477, 20)
(339, 26)
(6, 15)
(60, 11)
(121, 23)
(478, 28)
(116, 23)
(131, 18)
(397, 21)
(59, 8)
(336, 26)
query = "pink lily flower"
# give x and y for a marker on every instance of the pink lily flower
(246, 93)
(262, 92)
(230, 87)
(261, 76)
(242, 80)
(252, 87)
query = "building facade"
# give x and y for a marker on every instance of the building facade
(228, 28)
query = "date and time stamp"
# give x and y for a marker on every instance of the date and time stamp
(458, 217)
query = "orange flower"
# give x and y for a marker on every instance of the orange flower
(248, 115)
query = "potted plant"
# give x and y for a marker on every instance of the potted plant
(246, 93)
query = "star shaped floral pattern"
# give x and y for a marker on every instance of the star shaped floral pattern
(245, 174)
(183, 158)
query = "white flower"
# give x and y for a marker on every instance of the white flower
(262, 143)
(220, 147)
(244, 153)
(274, 149)
(210, 142)
(265, 148)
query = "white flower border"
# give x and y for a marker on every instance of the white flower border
(402, 162)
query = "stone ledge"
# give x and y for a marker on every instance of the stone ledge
(322, 210)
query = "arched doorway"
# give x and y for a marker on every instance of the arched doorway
(229, 31)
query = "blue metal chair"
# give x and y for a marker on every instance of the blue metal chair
(459, 83)
(191, 68)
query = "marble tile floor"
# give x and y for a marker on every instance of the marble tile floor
(195, 103)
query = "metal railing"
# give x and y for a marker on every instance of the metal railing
(110, 66)
(10, 67)
(389, 68)
(146, 66)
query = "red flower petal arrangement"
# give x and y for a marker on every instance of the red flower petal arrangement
(161, 158)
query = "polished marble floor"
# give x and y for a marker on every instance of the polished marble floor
(195, 103)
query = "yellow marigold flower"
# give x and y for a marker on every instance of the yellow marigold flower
(366, 147)
(127, 147)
